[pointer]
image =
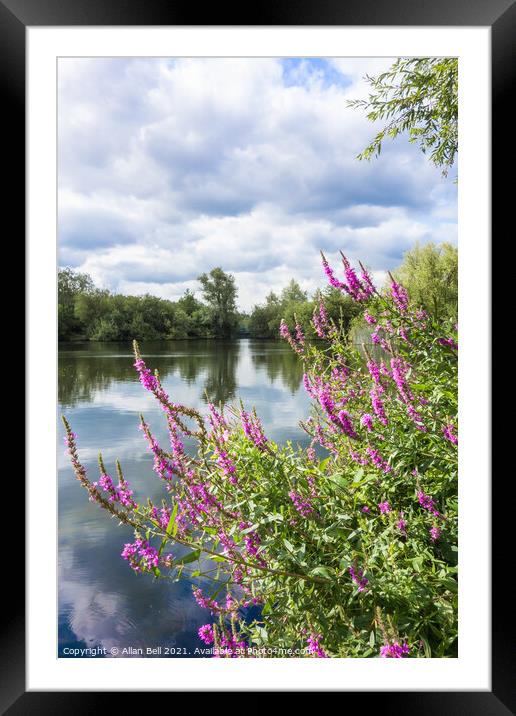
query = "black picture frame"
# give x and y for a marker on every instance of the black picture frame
(500, 16)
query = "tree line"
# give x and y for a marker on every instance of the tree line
(90, 313)
(86, 312)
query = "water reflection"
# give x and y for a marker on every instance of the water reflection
(87, 368)
(101, 601)
(278, 363)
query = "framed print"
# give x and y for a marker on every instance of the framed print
(182, 181)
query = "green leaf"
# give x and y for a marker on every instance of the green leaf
(339, 481)
(289, 546)
(172, 526)
(322, 572)
(189, 557)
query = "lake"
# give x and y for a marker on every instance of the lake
(103, 604)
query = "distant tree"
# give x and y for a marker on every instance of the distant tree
(418, 96)
(264, 318)
(220, 293)
(430, 275)
(188, 303)
(91, 308)
(70, 284)
(293, 293)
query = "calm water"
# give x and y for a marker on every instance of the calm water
(102, 602)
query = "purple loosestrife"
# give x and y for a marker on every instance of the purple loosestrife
(354, 285)
(161, 516)
(366, 421)
(303, 506)
(374, 371)
(252, 541)
(206, 633)
(226, 464)
(314, 646)
(300, 336)
(378, 406)
(122, 493)
(394, 650)
(427, 503)
(152, 384)
(399, 369)
(311, 485)
(358, 458)
(357, 575)
(148, 556)
(384, 370)
(346, 425)
(253, 429)
(377, 339)
(162, 465)
(230, 647)
(286, 335)
(384, 507)
(205, 602)
(307, 384)
(449, 434)
(330, 275)
(320, 320)
(435, 533)
(377, 460)
(178, 448)
(399, 296)
(359, 289)
(148, 380)
(448, 342)
(327, 402)
(228, 544)
(219, 426)
(370, 319)
(367, 285)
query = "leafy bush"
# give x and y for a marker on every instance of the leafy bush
(347, 548)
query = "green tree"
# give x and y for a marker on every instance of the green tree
(70, 284)
(418, 96)
(265, 317)
(293, 293)
(90, 309)
(220, 293)
(188, 303)
(430, 274)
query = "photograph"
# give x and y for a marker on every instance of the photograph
(257, 340)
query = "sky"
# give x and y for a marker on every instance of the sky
(170, 167)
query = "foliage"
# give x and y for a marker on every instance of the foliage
(430, 274)
(87, 312)
(348, 548)
(418, 96)
(220, 293)
(70, 284)
(293, 305)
